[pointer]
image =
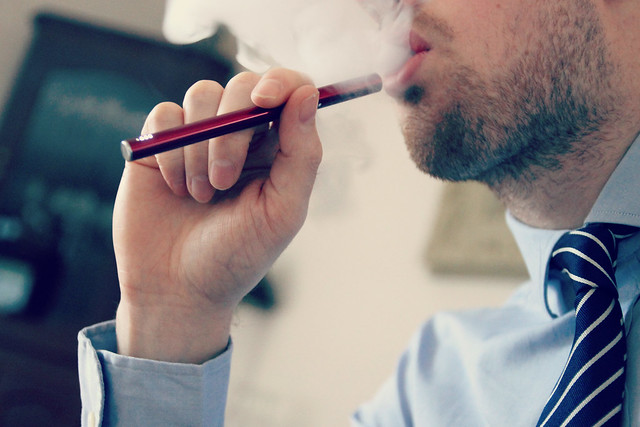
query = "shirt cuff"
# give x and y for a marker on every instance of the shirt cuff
(117, 389)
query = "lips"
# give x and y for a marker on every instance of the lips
(417, 43)
(397, 82)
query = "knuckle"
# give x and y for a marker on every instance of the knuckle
(245, 78)
(316, 154)
(275, 72)
(203, 92)
(165, 109)
(314, 158)
(288, 75)
(163, 116)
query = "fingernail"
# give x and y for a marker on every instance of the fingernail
(268, 89)
(222, 173)
(308, 109)
(201, 188)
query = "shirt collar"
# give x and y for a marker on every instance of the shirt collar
(619, 202)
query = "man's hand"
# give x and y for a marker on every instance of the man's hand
(184, 263)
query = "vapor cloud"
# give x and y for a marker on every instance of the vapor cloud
(329, 40)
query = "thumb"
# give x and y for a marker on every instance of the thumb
(294, 170)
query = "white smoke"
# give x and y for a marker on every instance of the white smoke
(329, 40)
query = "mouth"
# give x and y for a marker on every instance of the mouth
(417, 44)
(399, 80)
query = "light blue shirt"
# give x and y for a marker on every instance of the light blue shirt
(486, 367)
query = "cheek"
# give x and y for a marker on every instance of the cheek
(486, 34)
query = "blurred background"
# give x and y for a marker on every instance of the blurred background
(384, 247)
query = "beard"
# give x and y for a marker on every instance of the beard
(521, 120)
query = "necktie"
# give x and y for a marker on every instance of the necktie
(590, 390)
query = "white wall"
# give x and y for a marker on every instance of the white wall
(352, 287)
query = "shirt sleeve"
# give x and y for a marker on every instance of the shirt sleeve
(120, 390)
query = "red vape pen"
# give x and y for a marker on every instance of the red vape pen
(159, 142)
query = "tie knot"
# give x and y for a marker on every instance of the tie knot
(588, 255)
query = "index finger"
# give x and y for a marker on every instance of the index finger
(276, 86)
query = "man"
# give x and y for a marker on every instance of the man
(539, 101)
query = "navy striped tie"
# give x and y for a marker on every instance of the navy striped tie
(590, 391)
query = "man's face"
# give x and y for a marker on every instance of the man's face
(499, 89)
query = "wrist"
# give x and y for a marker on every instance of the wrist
(170, 334)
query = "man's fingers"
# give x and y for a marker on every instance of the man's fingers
(200, 102)
(294, 170)
(228, 153)
(276, 86)
(199, 169)
(165, 116)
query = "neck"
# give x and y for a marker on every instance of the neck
(563, 197)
